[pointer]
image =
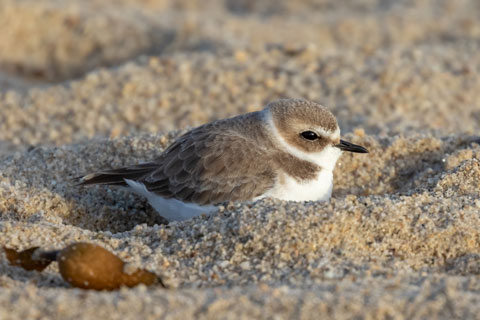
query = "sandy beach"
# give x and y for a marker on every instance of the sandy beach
(88, 85)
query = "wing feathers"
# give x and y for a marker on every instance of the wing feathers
(208, 165)
(117, 176)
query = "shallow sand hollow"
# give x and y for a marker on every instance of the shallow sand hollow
(400, 237)
(405, 236)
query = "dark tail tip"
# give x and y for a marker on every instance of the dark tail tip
(99, 178)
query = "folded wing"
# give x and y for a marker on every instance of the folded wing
(207, 165)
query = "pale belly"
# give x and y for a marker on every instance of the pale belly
(319, 189)
(170, 209)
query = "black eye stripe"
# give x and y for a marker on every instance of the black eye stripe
(309, 135)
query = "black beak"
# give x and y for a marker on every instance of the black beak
(348, 146)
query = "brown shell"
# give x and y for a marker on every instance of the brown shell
(88, 266)
(26, 260)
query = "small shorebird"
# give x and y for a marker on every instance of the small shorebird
(287, 151)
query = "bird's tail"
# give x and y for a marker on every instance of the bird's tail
(116, 177)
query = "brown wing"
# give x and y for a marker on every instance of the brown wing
(211, 165)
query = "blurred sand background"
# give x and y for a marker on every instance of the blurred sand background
(93, 84)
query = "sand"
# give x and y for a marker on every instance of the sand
(95, 84)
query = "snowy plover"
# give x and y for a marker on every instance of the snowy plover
(286, 151)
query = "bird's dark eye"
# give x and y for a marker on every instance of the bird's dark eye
(309, 135)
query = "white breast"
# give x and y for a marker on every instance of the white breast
(318, 189)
